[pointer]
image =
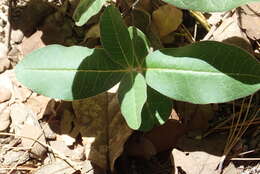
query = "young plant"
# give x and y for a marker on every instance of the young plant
(203, 72)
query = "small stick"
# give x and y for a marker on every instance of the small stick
(245, 159)
(8, 25)
(18, 168)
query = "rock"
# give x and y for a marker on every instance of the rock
(5, 88)
(4, 64)
(3, 50)
(32, 43)
(5, 94)
(4, 117)
(4, 120)
(17, 36)
(2, 23)
(5, 80)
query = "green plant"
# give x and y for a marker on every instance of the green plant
(203, 72)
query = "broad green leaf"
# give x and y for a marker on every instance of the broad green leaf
(209, 5)
(141, 45)
(86, 9)
(68, 73)
(132, 96)
(204, 72)
(156, 110)
(115, 37)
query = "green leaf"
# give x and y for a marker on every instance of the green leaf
(115, 37)
(141, 44)
(132, 96)
(86, 9)
(209, 5)
(68, 73)
(204, 72)
(156, 110)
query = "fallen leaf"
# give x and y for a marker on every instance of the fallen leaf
(167, 19)
(98, 120)
(35, 133)
(4, 116)
(93, 32)
(230, 32)
(57, 167)
(250, 19)
(41, 105)
(15, 157)
(196, 117)
(199, 156)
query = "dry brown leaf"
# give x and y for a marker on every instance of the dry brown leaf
(196, 117)
(57, 167)
(167, 19)
(230, 32)
(102, 127)
(35, 133)
(199, 156)
(4, 116)
(41, 105)
(93, 32)
(250, 19)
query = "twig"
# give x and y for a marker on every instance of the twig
(235, 134)
(8, 25)
(187, 33)
(61, 156)
(220, 124)
(245, 159)
(240, 124)
(247, 152)
(18, 168)
(201, 19)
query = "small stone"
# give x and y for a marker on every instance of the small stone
(14, 52)
(17, 36)
(2, 23)
(4, 64)
(4, 119)
(5, 94)
(3, 50)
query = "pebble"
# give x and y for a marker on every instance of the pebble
(17, 36)
(4, 119)
(3, 50)
(2, 23)
(5, 88)
(4, 64)
(5, 94)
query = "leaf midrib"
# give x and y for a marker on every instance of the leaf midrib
(143, 70)
(117, 38)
